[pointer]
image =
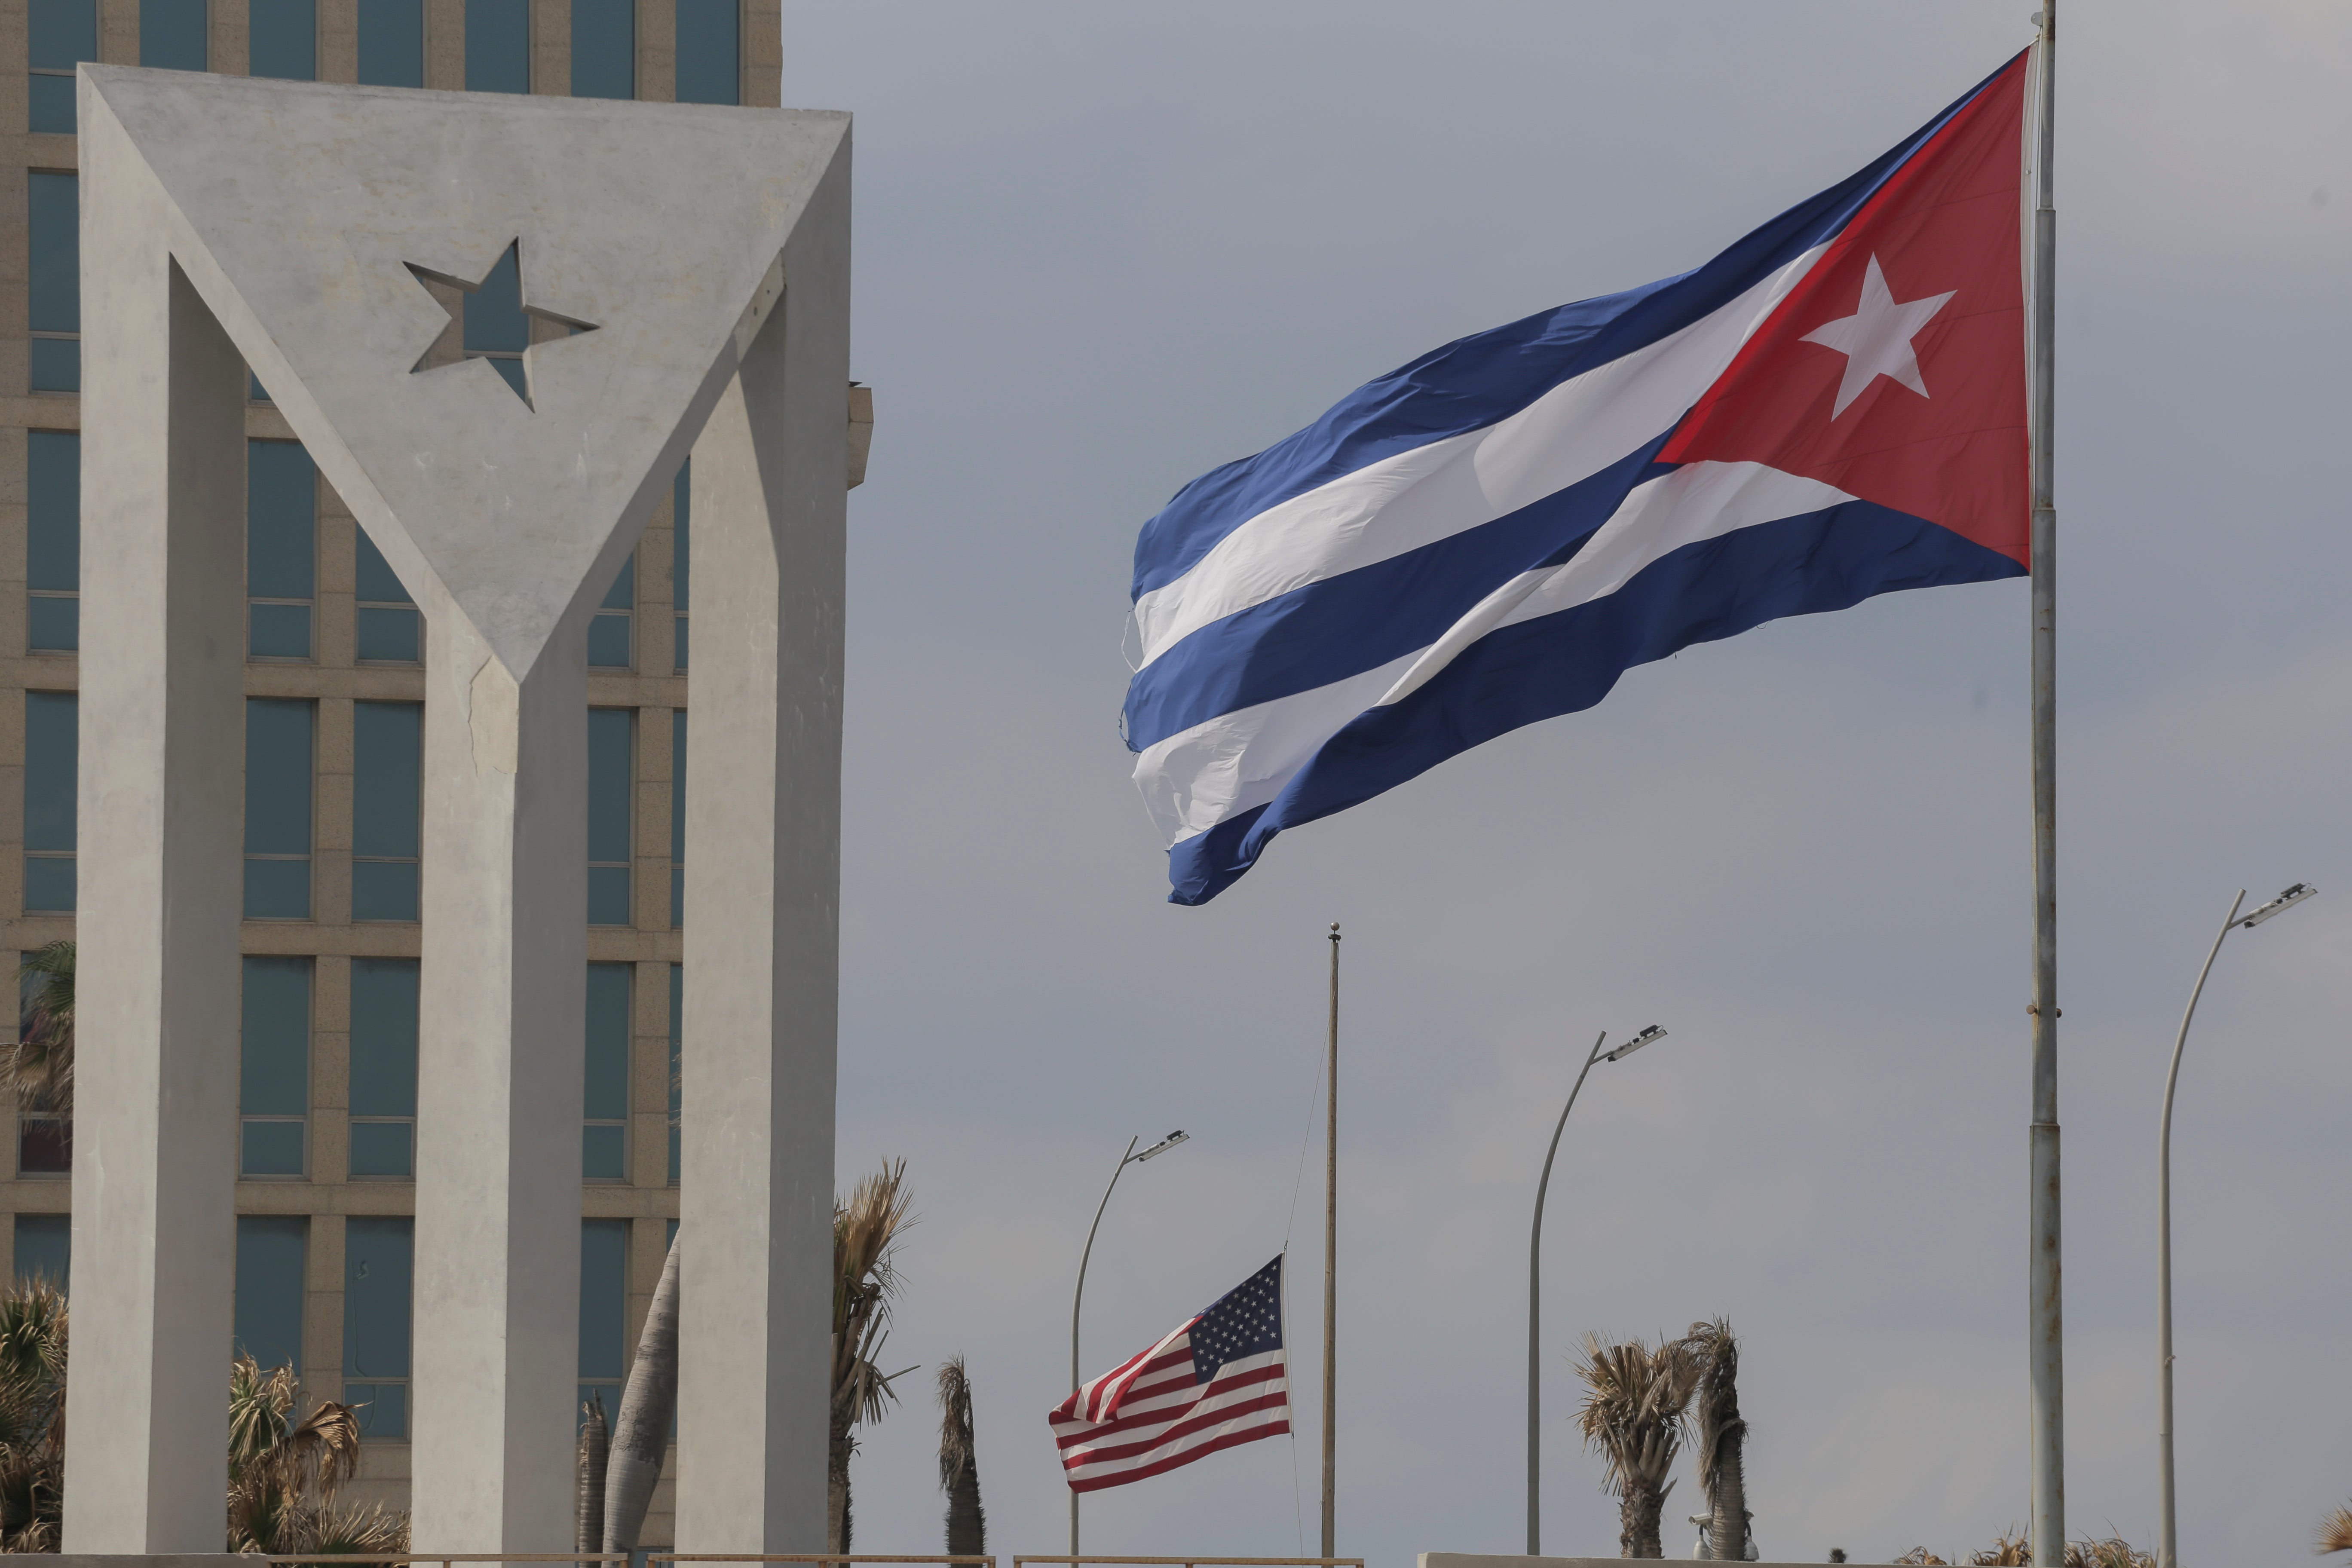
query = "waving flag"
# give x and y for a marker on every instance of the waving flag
(1217, 1381)
(1832, 408)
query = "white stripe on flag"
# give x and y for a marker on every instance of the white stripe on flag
(1401, 502)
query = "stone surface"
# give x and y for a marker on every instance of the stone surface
(506, 520)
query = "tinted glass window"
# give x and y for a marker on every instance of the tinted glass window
(52, 734)
(60, 34)
(44, 1248)
(378, 1268)
(392, 43)
(610, 803)
(603, 48)
(269, 1255)
(53, 540)
(277, 763)
(387, 768)
(285, 38)
(708, 52)
(53, 292)
(172, 34)
(498, 46)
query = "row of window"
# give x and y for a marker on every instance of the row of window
(387, 773)
(282, 563)
(274, 1040)
(283, 41)
(379, 1277)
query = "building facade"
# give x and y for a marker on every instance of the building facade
(334, 687)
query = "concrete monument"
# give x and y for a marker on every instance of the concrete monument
(688, 269)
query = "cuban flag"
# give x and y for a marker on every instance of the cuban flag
(1832, 408)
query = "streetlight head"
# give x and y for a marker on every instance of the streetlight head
(2285, 900)
(1635, 1044)
(1165, 1144)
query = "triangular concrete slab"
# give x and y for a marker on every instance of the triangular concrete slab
(305, 212)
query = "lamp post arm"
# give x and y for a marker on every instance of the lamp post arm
(2168, 1533)
(1078, 1294)
(1535, 1303)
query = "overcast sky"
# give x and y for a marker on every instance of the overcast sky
(1103, 247)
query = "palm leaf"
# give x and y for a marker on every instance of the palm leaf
(2335, 1532)
(39, 1065)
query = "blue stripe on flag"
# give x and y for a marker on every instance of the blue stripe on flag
(1563, 663)
(1475, 381)
(1359, 620)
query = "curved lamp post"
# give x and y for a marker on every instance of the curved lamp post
(2167, 1539)
(1534, 1274)
(1130, 1158)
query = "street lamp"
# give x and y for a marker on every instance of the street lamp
(2168, 1541)
(1130, 1158)
(1535, 1272)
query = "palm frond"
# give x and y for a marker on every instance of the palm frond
(39, 1065)
(865, 1233)
(1635, 1406)
(32, 1335)
(955, 1423)
(2335, 1532)
(2007, 1550)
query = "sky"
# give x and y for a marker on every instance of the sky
(1103, 247)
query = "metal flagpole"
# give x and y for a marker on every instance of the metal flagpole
(2047, 1354)
(1332, 1266)
(1127, 1157)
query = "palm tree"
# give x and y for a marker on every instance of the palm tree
(2335, 1532)
(1633, 1413)
(649, 1406)
(588, 1490)
(283, 1472)
(39, 1066)
(958, 1469)
(32, 1416)
(865, 1233)
(1722, 1437)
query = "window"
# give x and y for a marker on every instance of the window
(603, 1310)
(496, 328)
(608, 632)
(611, 770)
(677, 816)
(677, 1061)
(603, 48)
(391, 631)
(680, 491)
(498, 46)
(62, 33)
(278, 750)
(384, 1067)
(604, 1101)
(271, 1250)
(53, 540)
(53, 292)
(379, 1264)
(388, 782)
(708, 52)
(274, 1067)
(44, 1248)
(392, 43)
(285, 39)
(281, 548)
(52, 736)
(172, 35)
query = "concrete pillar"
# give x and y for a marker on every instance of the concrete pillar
(762, 856)
(161, 767)
(501, 1024)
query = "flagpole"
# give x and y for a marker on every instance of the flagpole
(2047, 1352)
(1331, 1264)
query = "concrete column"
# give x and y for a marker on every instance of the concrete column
(763, 813)
(502, 1017)
(162, 728)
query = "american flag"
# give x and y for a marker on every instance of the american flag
(1218, 1380)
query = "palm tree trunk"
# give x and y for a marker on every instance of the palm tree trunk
(838, 1446)
(1729, 1531)
(967, 1521)
(648, 1405)
(960, 1465)
(596, 1452)
(1637, 1520)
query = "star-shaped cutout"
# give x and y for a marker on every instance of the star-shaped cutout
(1876, 339)
(495, 323)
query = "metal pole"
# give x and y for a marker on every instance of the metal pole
(2047, 1323)
(1079, 1294)
(2168, 1536)
(1535, 1303)
(1331, 1268)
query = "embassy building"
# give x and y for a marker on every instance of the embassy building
(334, 689)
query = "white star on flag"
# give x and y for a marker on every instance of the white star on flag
(1876, 339)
